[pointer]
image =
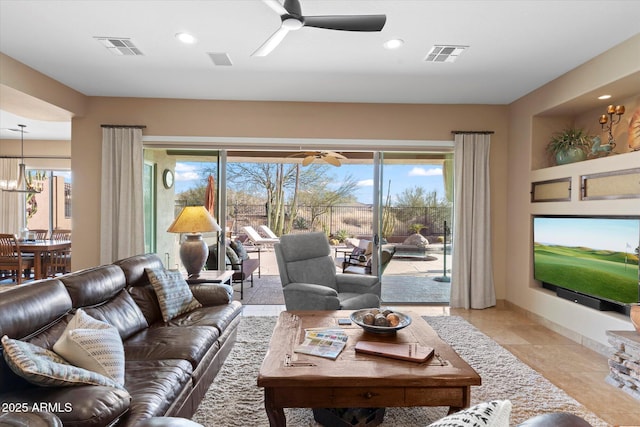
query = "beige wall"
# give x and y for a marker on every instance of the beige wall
(278, 120)
(526, 164)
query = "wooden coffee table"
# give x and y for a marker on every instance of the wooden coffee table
(294, 380)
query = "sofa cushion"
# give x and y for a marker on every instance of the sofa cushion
(43, 367)
(93, 345)
(487, 414)
(166, 342)
(133, 268)
(233, 258)
(33, 306)
(121, 312)
(217, 316)
(239, 249)
(174, 295)
(154, 386)
(94, 285)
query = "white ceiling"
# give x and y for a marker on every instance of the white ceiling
(516, 46)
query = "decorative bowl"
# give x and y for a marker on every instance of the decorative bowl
(356, 317)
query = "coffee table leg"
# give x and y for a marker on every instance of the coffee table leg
(466, 401)
(275, 414)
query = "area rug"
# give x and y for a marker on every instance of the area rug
(267, 290)
(414, 290)
(234, 399)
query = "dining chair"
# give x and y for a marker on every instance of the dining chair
(57, 262)
(40, 234)
(61, 234)
(11, 259)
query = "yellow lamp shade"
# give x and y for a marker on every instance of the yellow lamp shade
(194, 219)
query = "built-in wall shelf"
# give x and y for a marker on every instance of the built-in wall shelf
(612, 186)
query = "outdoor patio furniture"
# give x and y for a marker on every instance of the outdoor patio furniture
(309, 278)
(255, 237)
(268, 232)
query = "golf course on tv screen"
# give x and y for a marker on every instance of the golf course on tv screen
(593, 256)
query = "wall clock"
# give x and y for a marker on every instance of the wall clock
(167, 178)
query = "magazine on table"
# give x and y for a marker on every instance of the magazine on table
(323, 342)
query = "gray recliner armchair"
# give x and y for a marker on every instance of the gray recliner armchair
(310, 281)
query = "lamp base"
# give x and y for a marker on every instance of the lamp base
(193, 254)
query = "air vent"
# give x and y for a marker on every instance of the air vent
(220, 58)
(445, 53)
(119, 46)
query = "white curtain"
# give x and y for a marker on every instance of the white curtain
(121, 220)
(11, 204)
(472, 271)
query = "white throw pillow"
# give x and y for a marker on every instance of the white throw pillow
(487, 414)
(93, 345)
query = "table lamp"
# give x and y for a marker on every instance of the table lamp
(194, 220)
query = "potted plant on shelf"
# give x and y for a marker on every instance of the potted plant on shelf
(570, 145)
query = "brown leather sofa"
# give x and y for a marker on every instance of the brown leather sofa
(168, 366)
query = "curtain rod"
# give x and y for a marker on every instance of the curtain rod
(484, 132)
(124, 126)
(38, 157)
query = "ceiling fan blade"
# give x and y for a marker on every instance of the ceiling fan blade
(332, 160)
(347, 22)
(272, 42)
(334, 154)
(276, 7)
(308, 160)
(293, 7)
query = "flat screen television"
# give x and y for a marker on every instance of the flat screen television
(590, 260)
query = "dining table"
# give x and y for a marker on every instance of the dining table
(39, 249)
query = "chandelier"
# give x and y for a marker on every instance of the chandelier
(20, 185)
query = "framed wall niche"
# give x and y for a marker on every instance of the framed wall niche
(622, 184)
(552, 190)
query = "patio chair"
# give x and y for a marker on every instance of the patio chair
(268, 232)
(310, 281)
(11, 259)
(255, 237)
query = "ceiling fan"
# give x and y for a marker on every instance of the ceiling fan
(292, 19)
(330, 157)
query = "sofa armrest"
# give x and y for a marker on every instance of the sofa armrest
(307, 296)
(358, 283)
(209, 294)
(89, 405)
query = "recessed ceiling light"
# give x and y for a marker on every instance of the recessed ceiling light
(186, 38)
(393, 44)
(604, 97)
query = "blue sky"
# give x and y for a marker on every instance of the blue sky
(595, 233)
(188, 175)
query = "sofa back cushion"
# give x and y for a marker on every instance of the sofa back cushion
(121, 312)
(94, 286)
(28, 308)
(133, 268)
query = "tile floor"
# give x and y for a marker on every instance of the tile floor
(579, 371)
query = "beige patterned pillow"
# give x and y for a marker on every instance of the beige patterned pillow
(94, 345)
(43, 367)
(174, 295)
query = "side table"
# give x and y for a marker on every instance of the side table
(211, 276)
